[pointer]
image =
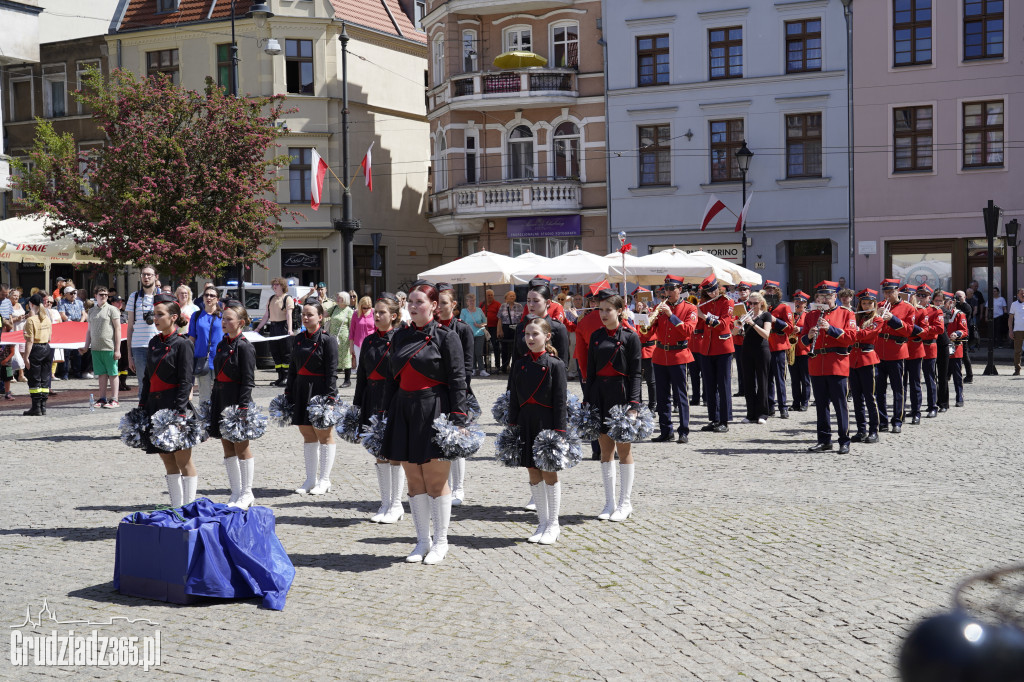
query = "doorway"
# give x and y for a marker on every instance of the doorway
(810, 262)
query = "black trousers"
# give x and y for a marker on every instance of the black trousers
(913, 370)
(955, 368)
(777, 380)
(801, 381)
(928, 370)
(718, 381)
(495, 350)
(670, 383)
(741, 375)
(279, 348)
(831, 390)
(40, 364)
(889, 371)
(508, 340)
(756, 362)
(968, 370)
(696, 369)
(865, 409)
(647, 372)
(942, 372)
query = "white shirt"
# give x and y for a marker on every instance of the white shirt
(1017, 310)
(998, 306)
(141, 332)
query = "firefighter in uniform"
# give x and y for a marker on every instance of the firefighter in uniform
(799, 373)
(717, 316)
(778, 344)
(891, 346)
(830, 333)
(670, 328)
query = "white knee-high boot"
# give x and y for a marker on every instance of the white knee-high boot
(419, 505)
(457, 476)
(234, 478)
(625, 507)
(441, 514)
(174, 489)
(396, 512)
(542, 511)
(323, 485)
(188, 488)
(309, 454)
(554, 499)
(384, 484)
(608, 476)
(245, 498)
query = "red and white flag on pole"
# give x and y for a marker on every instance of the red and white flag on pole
(743, 214)
(316, 180)
(714, 207)
(367, 167)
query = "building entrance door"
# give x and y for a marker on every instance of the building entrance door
(810, 261)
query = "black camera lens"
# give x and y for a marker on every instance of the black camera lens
(147, 317)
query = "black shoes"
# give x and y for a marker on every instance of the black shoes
(932, 413)
(943, 409)
(721, 428)
(872, 438)
(959, 403)
(915, 420)
(784, 414)
(858, 437)
(820, 447)
(346, 384)
(709, 427)
(844, 449)
(663, 438)
(897, 428)
(738, 394)
(681, 438)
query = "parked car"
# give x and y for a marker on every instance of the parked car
(256, 298)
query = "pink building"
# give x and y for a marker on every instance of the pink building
(938, 99)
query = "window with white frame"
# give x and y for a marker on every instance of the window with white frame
(567, 150)
(518, 38)
(22, 97)
(55, 91)
(520, 154)
(81, 69)
(549, 247)
(440, 162)
(469, 51)
(565, 45)
(472, 159)
(438, 54)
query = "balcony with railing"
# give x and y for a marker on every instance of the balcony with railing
(509, 198)
(515, 88)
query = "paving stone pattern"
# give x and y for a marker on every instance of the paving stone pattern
(746, 557)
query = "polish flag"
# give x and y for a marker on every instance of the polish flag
(714, 207)
(743, 214)
(316, 180)
(367, 168)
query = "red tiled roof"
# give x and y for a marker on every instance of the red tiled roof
(373, 14)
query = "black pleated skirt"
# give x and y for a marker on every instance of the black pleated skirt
(409, 436)
(532, 420)
(224, 394)
(306, 388)
(606, 394)
(373, 401)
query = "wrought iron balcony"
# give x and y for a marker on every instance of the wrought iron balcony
(507, 89)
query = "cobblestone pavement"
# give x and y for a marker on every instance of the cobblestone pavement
(746, 557)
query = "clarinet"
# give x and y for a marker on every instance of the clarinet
(814, 341)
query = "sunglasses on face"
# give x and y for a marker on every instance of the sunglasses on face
(209, 295)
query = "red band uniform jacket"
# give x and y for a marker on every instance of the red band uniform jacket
(718, 327)
(671, 335)
(831, 356)
(957, 330)
(892, 338)
(782, 327)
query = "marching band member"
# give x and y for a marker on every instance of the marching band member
(539, 304)
(942, 347)
(830, 333)
(738, 332)
(670, 329)
(863, 361)
(958, 335)
(428, 379)
(698, 344)
(891, 347)
(537, 402)
(929, 319)
(447, 303)
(585, 326)
(234, 377)
(647, 354)
(915, 354)
(756, 358)
(778, 344)
(717, 316)
(799, 373)
(373, 397)
(313, 371)
(613, 378)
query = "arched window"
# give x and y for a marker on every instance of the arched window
(440, 162)
(520, 154)
(439, 59)
(567, 150)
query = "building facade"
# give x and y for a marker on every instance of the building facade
(688, 83)
(296, 52)
(20, 46)
(518, 153)
(939, 90)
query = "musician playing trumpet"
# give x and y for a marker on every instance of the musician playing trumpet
(778, 344)
(799, 373)
(717, 315)
(670, 326)
(863, 360)
(898, 325)
(829, 331)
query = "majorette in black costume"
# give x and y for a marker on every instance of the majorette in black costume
(559, 334)
(457, 475)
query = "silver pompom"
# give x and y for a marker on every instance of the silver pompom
(238, 425)
(625, 429)
(473, 410)
(554, 451)
(499, 410)
(203, 411)
(348, 425)
(281, 411)
(508, 446)
(372, 435)
(171, 432)
(584, 420)
(322, 412)
(134, 425)
(456, 441)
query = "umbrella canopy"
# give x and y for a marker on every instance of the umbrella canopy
(482, 267)
(570, 268)
(734, 273)
(530, 265)
(615, 268)
(24, 240)
(517, 59)
(651, 269)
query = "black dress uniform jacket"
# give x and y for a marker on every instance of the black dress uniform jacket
(313, 371)
(465, 332)
(167, 381)
(559, 338)
(373, 396)
(537, 399)
(622, 351)
(234, 377)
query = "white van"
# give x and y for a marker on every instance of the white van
(258, 295)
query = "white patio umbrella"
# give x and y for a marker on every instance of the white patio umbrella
(574, 267)
(480, 268)
(735, 273)
(24, 240)
(651, 269)
(528, 265)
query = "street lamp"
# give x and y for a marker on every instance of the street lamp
(848, 15)
(743, 157)
(259, 13)
(347, 226)
(1012, 230)
(991, 214)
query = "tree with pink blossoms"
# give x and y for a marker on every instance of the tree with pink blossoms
(185, 180)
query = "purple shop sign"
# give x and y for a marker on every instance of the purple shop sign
(544, 226)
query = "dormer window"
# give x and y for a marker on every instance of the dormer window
(164, 6)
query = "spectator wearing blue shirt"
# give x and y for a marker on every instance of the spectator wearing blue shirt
(71, 309)
(205, 330)
(477, 321)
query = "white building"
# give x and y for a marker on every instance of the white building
(688, 82)
(19, 43)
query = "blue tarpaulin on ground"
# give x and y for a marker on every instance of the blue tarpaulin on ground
(236, 554)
